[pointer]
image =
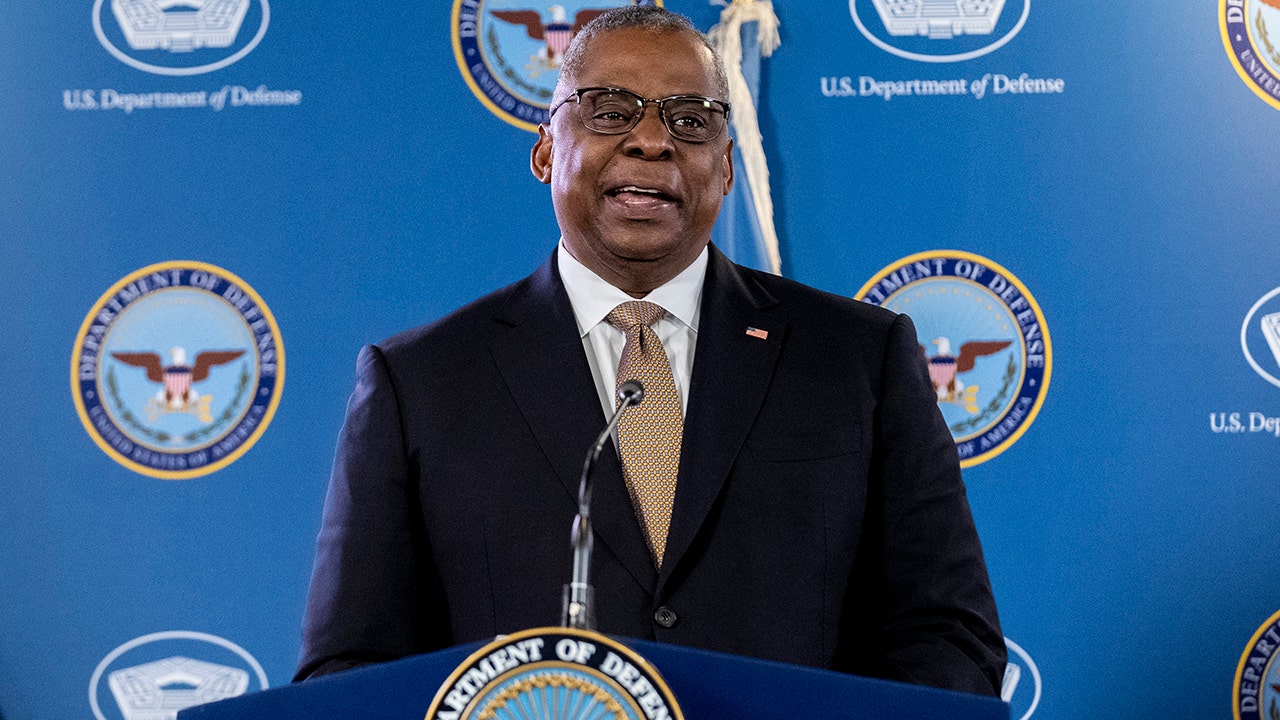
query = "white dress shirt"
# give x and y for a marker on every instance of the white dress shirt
(593, 298)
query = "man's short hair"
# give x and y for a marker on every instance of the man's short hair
(650, 18)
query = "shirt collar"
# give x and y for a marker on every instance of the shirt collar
(593, 298)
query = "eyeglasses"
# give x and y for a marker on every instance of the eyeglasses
(611, 111)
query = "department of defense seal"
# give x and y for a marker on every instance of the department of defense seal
(985, 340)
(1251, 35)
(554, 673)
(177, 370)
(1256, 693)
(509, 51)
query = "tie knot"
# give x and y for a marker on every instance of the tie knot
(635, 314)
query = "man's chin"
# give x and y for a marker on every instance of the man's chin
(651, 248)
(620, 255)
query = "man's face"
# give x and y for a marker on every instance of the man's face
(636, 208)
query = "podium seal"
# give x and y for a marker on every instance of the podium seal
(553, 674)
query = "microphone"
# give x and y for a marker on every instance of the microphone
(579, 607)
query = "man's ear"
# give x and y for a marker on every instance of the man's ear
(540, 158)
(728, 168)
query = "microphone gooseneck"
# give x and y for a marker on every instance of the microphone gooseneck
(579, 609)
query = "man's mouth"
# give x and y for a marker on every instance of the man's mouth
(646, 192)
(641, 198)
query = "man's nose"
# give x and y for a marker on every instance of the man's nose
(650, 138)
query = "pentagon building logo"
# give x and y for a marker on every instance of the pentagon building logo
(985, 341)
(509, 51)
(939, 30)
(1021, 687)
(1260, 337)
(939, 20)
(155, 676)
(180, 37)
(158, 690)
(148, 25)
(177, 370)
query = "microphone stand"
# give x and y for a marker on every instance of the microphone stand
(579, 596)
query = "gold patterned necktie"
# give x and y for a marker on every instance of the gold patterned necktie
(649, 434)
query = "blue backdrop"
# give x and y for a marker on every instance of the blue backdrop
(333, 158)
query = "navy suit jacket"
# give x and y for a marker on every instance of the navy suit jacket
(819, 518)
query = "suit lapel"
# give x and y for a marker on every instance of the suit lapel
(538, 351)
(731, 375)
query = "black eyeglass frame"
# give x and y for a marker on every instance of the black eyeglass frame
(576, 96)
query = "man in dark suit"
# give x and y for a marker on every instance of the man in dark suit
(818, 514)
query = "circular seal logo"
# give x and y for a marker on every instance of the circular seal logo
(156, 675)
(940, 32)
(177, 370)
(180, 37)
(509, 52)
(1256, 694)
(562, 672)
(1251, 35)
(985, 339)
(1260, 336)
(1021, 687)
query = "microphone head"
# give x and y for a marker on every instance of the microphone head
(631, 392)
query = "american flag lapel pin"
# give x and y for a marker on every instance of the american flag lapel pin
(758, 333)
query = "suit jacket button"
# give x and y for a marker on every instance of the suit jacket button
(665, 616)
